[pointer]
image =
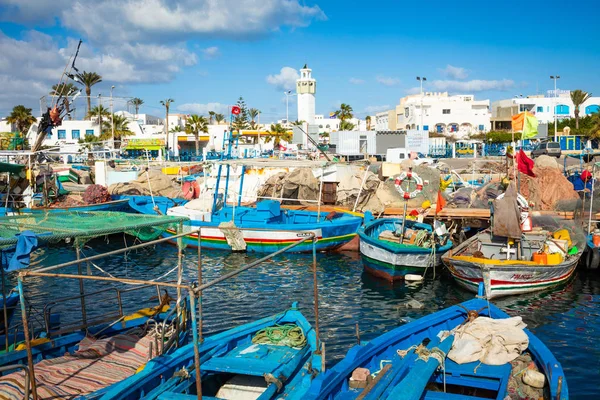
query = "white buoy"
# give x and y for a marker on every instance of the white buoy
(413, 278)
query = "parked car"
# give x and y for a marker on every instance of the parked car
(547, 148)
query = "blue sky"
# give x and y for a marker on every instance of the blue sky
(205, 54)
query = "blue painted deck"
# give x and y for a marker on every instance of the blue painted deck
(223, 355)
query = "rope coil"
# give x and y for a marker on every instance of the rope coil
(281, 335)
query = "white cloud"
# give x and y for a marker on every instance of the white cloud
(37, 61)
(210, 53)
(117, 20)
(356, 81)
(285, 79)
(413, 90)
(453, 72)
(476, 85)
(203, 109)
(387, 80)
(376, 109)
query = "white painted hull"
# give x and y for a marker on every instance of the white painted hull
(510, 279)
(415, 260)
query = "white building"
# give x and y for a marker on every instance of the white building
(67, 135)
(382, 121)
(459, 115)
(6, 126)
(546, 107)
(328, 124)
(306, 88)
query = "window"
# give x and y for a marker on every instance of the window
(425, 127)
(592, 109)
(540, 109)
(62, 134)
(548, 109)
(75, 134)
(446, 111)
(406, 112)
(439, 128)
(561, 109)
(481, 127)
(89, 132)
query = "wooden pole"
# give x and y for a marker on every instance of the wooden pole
(27, 338)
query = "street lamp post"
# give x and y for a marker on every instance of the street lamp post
(555, 77)
(421, 79)
(287, 108)
(112, 117)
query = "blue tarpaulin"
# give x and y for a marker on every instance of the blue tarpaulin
(17, 257)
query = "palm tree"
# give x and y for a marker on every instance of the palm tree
(167, 104)
(136, 102)
(211, 116)
(578, 97)
(253, 113)
(219, 118)
(99, 112)
(196, 124)
(22, 118)
(346, 126)
(345, 112)
(88, 79)
(64, 90)
(368, 121)
(277, 133)
(121, 129)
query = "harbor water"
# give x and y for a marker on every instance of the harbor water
(567, 320)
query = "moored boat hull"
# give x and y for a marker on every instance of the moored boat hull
(269, 241)
(394, 266)
(510, 280)
(393, 261)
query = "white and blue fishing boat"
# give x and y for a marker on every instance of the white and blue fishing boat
(415, 361)
(391, 248)
(265, 228)
(274, 357)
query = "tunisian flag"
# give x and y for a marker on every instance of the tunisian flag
(524, 163)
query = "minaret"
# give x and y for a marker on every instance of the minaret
(306, 87)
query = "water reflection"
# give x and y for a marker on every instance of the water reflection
(567, 319)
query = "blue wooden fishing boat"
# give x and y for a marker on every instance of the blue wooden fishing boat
(391, 248)
(265, 228)
(403, 364)
(106, 351)
(274, 357)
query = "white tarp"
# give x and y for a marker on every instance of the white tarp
(491, 341)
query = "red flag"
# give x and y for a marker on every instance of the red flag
(440, 202)
(524, 163)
